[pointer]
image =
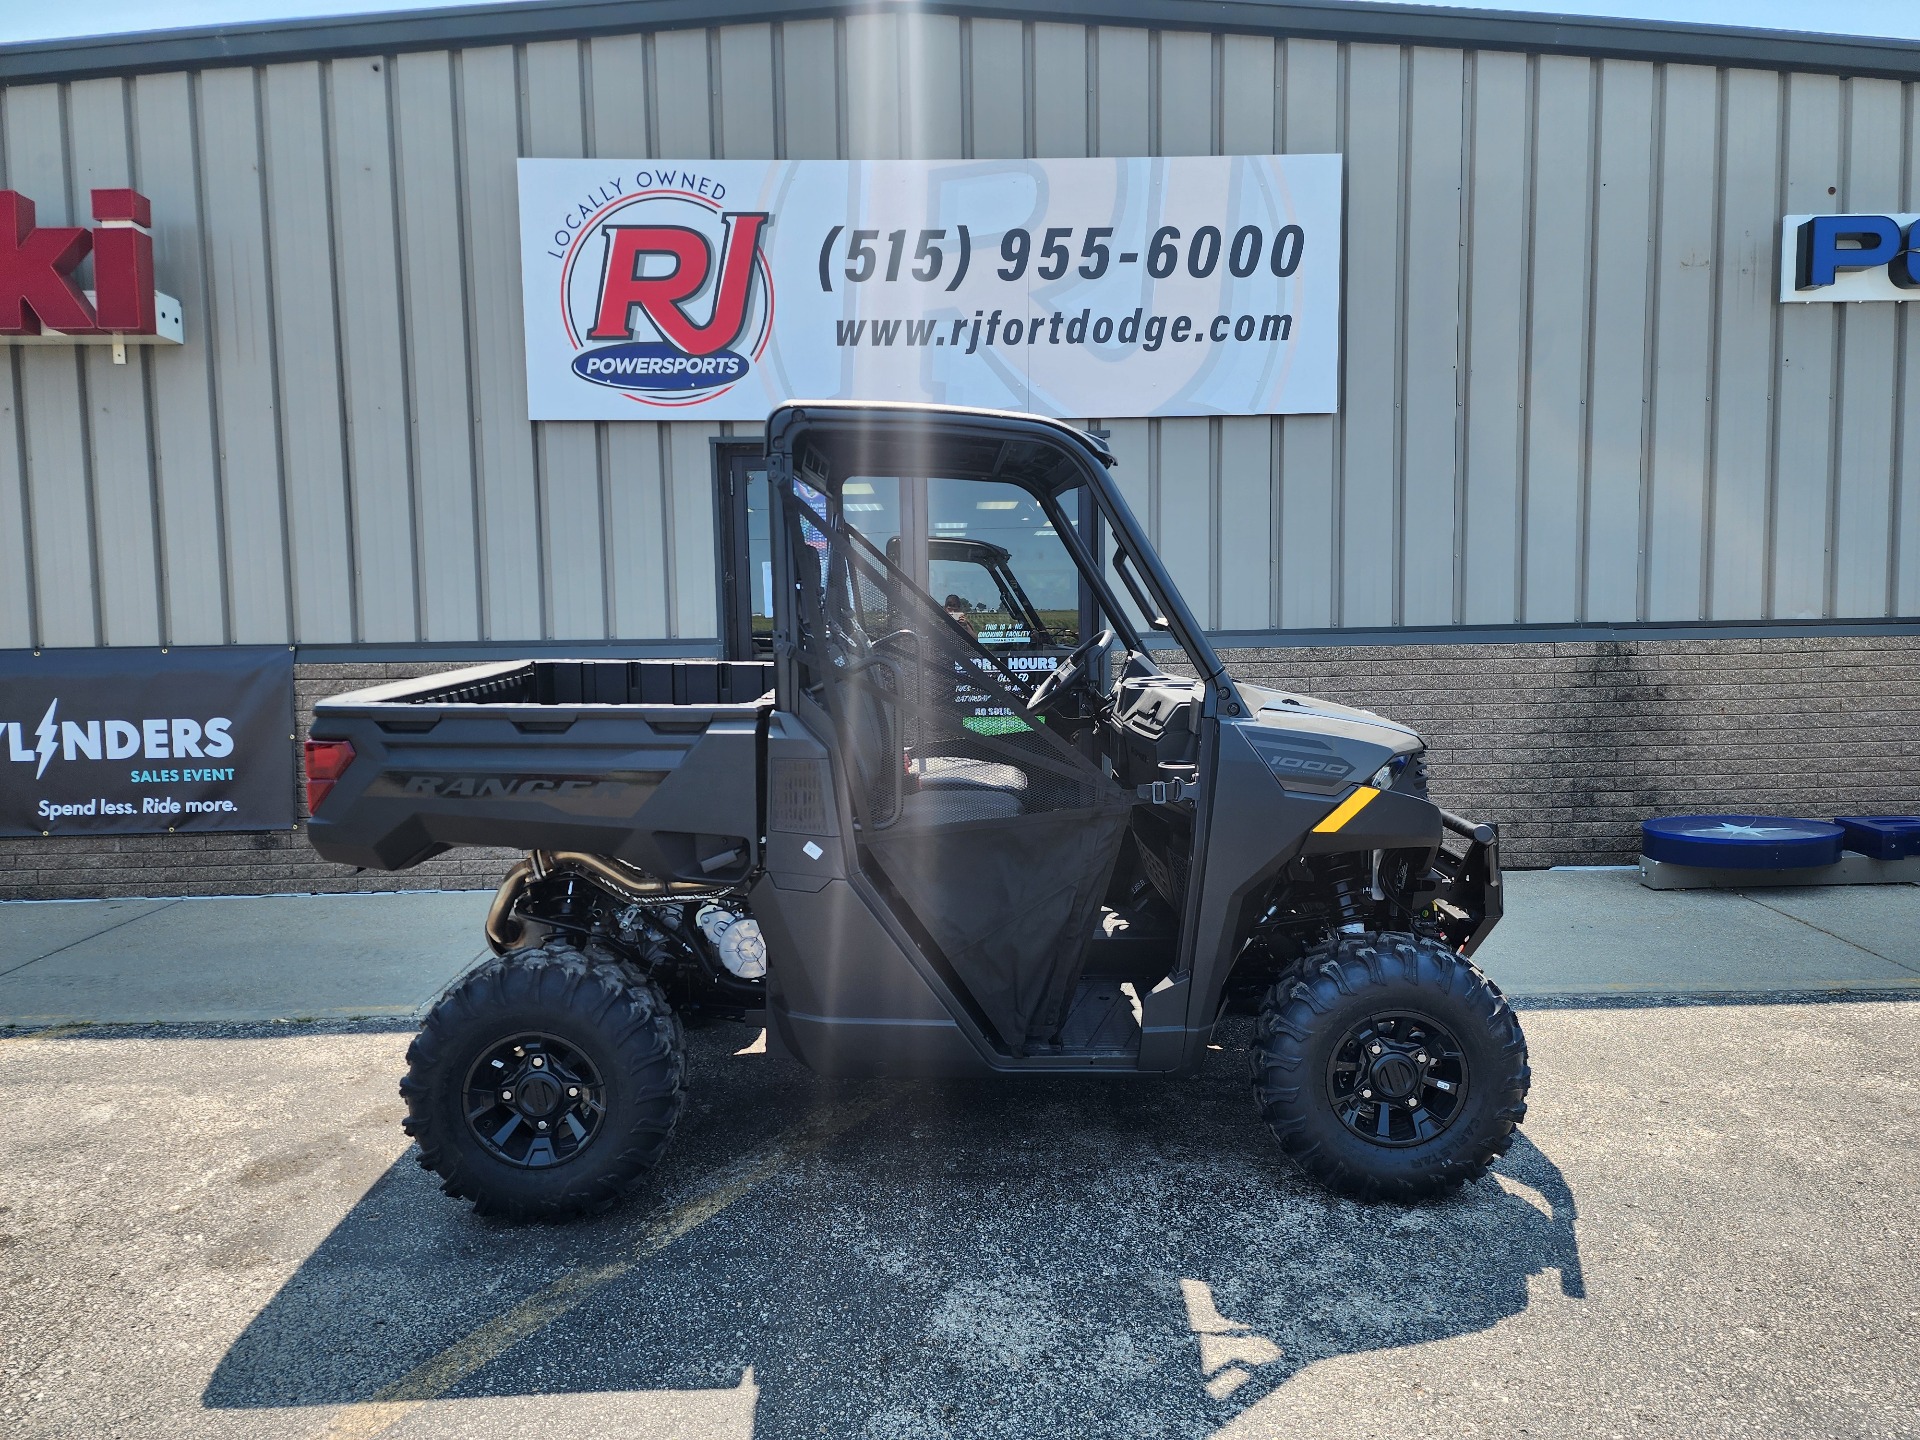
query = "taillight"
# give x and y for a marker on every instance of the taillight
(327, 761)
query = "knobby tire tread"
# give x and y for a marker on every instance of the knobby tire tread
(1401, 968)
(638, 1026)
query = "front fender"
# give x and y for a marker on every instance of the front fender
(1370, 819)
(1462, 881)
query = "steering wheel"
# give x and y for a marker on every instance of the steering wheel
(1067, 673)
(879, 651)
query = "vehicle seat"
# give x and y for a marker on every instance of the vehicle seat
(928, 808)
(875, 747)
(959, 772)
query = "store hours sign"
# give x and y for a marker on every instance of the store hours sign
(135, 741)
(1113, 288)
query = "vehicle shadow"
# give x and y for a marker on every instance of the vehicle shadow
(1060, 1257)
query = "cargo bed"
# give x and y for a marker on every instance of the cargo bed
(656, 762)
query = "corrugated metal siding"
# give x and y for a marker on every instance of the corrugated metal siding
(1568, 395)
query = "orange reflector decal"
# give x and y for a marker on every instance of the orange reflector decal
(1347, 809)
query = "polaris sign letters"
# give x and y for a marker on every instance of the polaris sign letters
(1849, 257)
(138, 741)
(717, 289)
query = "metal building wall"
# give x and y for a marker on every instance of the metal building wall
(1569, 393)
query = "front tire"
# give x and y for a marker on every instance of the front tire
(1390, 1068)
(545, 1083)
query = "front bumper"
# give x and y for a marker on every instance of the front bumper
(1465, 882)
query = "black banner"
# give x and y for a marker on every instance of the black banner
(128, 741)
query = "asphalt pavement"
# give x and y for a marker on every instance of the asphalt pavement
(216, 1228)
(1707, 1229)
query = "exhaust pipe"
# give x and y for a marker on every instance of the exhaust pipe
(618, 876)
(503, 931)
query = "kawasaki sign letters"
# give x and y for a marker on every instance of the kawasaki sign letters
(40, 294)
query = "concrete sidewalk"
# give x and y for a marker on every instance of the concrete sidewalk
(279, 957)
(306, 957)
(1601, 932)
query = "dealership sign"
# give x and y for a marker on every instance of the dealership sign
(1128, 287)
(133, 741)
(40, 299)
(1849, 257)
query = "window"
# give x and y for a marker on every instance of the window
(998, 566)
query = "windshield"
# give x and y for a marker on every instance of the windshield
(1010, 535)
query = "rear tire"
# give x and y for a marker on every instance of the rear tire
(1390, 1068)
(545, 1084)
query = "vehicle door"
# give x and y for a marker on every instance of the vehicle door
(929, 606)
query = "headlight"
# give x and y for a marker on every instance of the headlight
(1383, 777)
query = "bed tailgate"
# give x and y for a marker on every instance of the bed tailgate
(655, 762)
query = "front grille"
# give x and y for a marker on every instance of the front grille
(1411, 778)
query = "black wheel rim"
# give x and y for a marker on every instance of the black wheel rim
(1397, 1078)
(534, 1101)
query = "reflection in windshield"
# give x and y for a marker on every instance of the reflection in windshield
(997, 562)
(987, 554)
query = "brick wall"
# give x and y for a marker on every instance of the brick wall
(1567, 745)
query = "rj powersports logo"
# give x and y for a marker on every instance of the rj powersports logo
(171, 738)
(666, 295)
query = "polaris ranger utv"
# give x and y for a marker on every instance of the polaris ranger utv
(961, 824)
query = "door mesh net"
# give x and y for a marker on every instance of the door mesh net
(997, 834)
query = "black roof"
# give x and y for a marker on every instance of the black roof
(530, 20)
(910, 413)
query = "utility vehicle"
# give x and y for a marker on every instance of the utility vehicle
(962, 823)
